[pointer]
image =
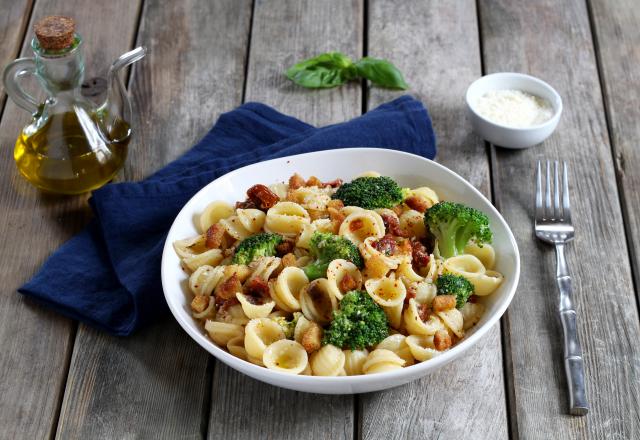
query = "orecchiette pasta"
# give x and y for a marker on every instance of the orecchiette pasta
(286, 218)
(371, 301)
(285, 356)
(381, 360)
(361, 224)
(328, 361)
(259, 334)
(213, 213)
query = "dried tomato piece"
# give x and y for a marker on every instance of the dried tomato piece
(262, 196)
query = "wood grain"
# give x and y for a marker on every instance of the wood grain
(552, 40)
(37, 343)
(285, 32)
(617, 36)
(13, 22)
(155, 384)
(436, 46)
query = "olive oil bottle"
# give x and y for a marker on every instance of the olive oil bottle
(71, 145)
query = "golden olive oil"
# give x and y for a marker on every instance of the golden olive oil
(59, 158)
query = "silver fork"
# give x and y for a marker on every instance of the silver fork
(553, 226)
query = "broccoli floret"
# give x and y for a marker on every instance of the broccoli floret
(260, 245)
(288, 327)
(358, 323)
(457, 285)
(370, 193)
(324, 248)
(454, 225)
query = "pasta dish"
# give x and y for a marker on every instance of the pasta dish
(333, 278)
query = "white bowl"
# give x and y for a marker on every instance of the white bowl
(410, 171)
(502, 135)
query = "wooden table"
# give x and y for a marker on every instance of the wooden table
(65, 380)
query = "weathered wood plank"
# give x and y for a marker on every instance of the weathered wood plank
(552, 40)
(617, 37)
(156, 383)
(424, 39)
(14, 19)
(301, 29)
(37, 343)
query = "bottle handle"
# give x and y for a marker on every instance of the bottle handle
(13, 74)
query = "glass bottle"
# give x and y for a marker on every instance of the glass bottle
(71, 145)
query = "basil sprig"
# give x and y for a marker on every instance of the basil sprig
(332, 69)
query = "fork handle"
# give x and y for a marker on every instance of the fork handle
(573, 362)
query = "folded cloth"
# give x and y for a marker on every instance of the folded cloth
(108, 276)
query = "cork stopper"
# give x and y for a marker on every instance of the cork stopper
(55, 32)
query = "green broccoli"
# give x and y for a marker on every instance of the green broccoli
(326, 247)
(260, 245)
(370, 193)
(288, 327)
(454, 225)
(457, 285)
(358, 323)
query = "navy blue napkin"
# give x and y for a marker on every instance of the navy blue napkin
(108, 276)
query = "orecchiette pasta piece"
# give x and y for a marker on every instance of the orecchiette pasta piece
(209, 312)
(251, 219)
(453, 320)
(213, 213)
(233, 315)
(336, 273)
(328, 361)
(253, 310)
(425, 193)
(397, 343)
(288, 287)
(382, 360)
(259, 334)
(304, 239)
(425, 292)
(205, 279)
(190, 246)
(412, 221)
(235, 346)
(406, 273)
(361, 224)
(389, 293)
(422, 347)
(280, 189)
(222, 332)
(484, 281)
(234, 227)
(369, 250)
(264, 267)
(240, 270)
(414, 324)
(286, 218)
(254, 360)
(302, 325)
(285, 356)
(471, 314)
(486, 254)
(211, 257)
(317, 302)
(354, 360)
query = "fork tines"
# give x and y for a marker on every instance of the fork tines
(547, 211)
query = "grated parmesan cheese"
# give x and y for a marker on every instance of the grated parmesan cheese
(514, 108)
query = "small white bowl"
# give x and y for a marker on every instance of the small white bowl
(502, 135)
(410, 171)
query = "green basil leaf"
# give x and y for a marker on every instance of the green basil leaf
(327, 70)
(381, 73)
